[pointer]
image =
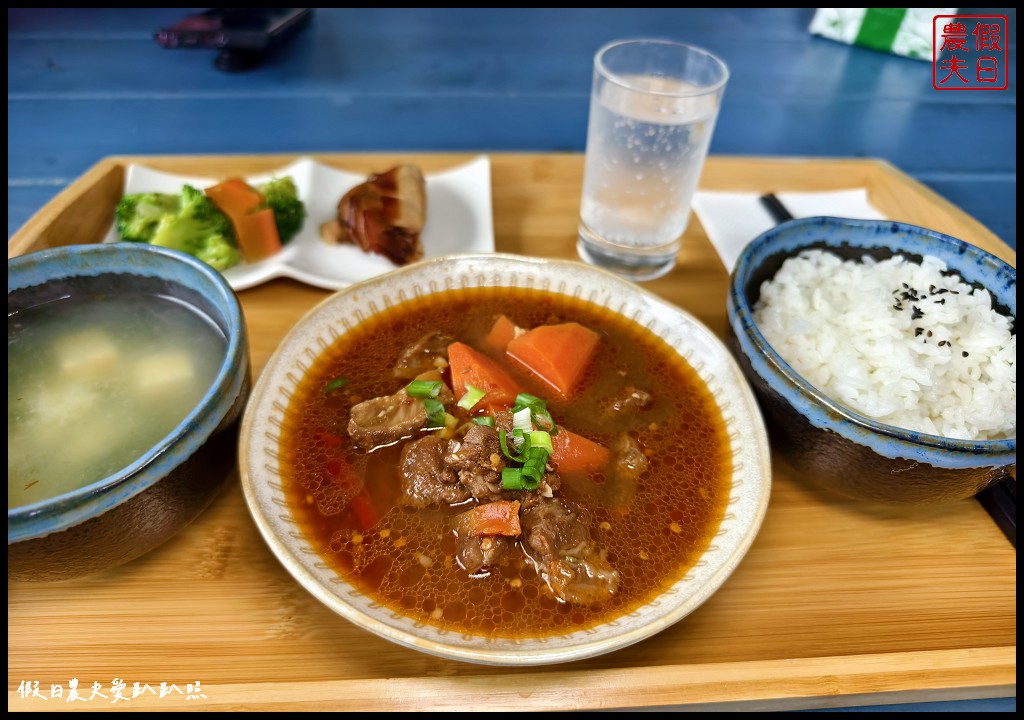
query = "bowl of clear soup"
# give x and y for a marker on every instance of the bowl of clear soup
(128, 369)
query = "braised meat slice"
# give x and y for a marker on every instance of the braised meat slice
(556, 535)
(430, 352)
(385, 420)
(426, 480)
(384, 215)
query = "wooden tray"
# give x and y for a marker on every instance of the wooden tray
(837, 603)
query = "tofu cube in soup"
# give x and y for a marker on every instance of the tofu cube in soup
(164, 373)
(87, 354)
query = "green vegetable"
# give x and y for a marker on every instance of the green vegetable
(281, 196)
(472, 397)
(435, 413)
(335, 384)
(539, 438)
(188, 222)
(534, 448)
(520, 444)
(484, 420)
(138, 215)
(527, 477)
(538, 409)
(423, 389)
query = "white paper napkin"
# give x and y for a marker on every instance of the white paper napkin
(733, 219)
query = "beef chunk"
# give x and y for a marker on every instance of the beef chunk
(503, 421)
(549, 486)
(479, 449)
(385, 420)
(557, 536)
(478, 460)
(428, 353)
(482, 484)
(382, 421)
(583, 580)
(426, 480)
(555, 528)
(476, 553)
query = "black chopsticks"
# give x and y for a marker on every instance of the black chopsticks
(774, 206)
(1000, 501)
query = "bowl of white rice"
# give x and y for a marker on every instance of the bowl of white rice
(883, 356)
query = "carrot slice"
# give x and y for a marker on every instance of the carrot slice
(576, 454)
(557, 354)
(474, 368)
(500, 517)
(257, 233)
(235, 198)
(499, 336)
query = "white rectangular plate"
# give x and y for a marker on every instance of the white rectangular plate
(459, 220)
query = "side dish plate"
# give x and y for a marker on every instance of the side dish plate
(459, 220)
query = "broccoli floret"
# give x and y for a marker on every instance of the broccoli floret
(198, 228)
(219, 253)
(281, 196)
(139, 214)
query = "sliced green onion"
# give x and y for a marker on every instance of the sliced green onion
(484, 420)
(435, 413)
(540, 439)
(335, 384)
(472, 397)
(512, 479)
(533, 468)
(423, 388)
(527, 400)
(527, 477)
(523, 420)
(539, 409)
(520, 444)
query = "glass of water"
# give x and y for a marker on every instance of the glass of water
(653, 107)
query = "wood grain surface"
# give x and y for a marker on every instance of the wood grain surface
(837, 603)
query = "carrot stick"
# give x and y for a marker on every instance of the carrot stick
(234, 197)
(257, 233)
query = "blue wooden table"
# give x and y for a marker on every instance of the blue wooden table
(84, 84)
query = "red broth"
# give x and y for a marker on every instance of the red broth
(406, 560)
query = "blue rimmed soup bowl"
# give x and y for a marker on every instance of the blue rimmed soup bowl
(829, 443)
(131, 511)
